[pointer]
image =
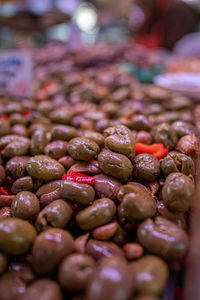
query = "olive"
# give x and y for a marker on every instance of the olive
(140, 122)
(178, 192)
(22, 184)
(175, 217)
(75, 271)
(56, 214)
(119, 139)
(83, 149)
(106, 187)
(43, 289)
(177, 162)
(16, 236)
(2, 175)
(49, 248)
(14, 145)
(99, 213)
(4, 127)
(16, 166)
(56, 149)
(39, 140)
(89, 168)
(45, 168)
(97, 137)
(183, 128)
(63, 132)
(112, 277)
(138, 203)
(67, 161)
(23, 270)
(146, 167)
(11, 286)
(189, 145)
(114, 164)
(144, 137)
(19, 129)
(76, 192)
(151, 275)
(25, 205)
(164, 238)
(5, 212)
(99, 249)
(61, 115)
(165, 134)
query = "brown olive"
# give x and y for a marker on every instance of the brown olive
(146, 167)
(75, 271)
(45, 168)
(16, 236)
(77, 192)
(22, 184)
(56, 149)
(183, 128)
(89, 168)
(106, 187)
(112, 277)
(189, 145)
(11, 286)
(43, 289)
(119, 139)
(144, 137)
(63, 132)
(5, 212)
(49, 248)
(25, 205)
(138, 203)
(164, 238)
(165, 134)
(81, 148)
(99, 249)
(16, 166)
(39, 140)
(57, 214)
(140, 122)
(19, 129)
(114, 164)
(99, 213)
(177, 162)
(151, 275)
(178, 192)
(49, 192)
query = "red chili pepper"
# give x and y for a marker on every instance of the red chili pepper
(4, 118)
(79, 177)
(157, 150)
(47, 85)
(4, 191)
(26, 113)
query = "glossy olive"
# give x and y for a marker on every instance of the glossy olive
(119, 139)
(49, 248)
(56, 149)
(56, 214)
(189, 145)
(75, 271)
(22, 184)
(16, 166)
(164, 238)
(39, 140)
(146, 167)
(81, 148)
(45, 168)
(183, 128)
(112, 276)
(99, 213)
(177, 162)
(114, 164)
(178, 192)
(63, 132)
(11, 286)
(25, 205)
(165, 134)
(16, 236)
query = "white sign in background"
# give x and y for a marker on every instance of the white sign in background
(16, 73)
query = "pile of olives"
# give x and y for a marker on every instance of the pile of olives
(117, 237)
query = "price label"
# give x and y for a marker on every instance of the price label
(16, 73)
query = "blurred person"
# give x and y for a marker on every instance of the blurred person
(166, 22)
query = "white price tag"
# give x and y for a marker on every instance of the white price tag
(16, 71)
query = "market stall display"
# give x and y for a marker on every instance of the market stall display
(97, 176)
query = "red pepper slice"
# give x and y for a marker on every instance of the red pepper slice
(4, 118)
(157, 150)
(79, 177)
(26, 113)
(4, 191)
